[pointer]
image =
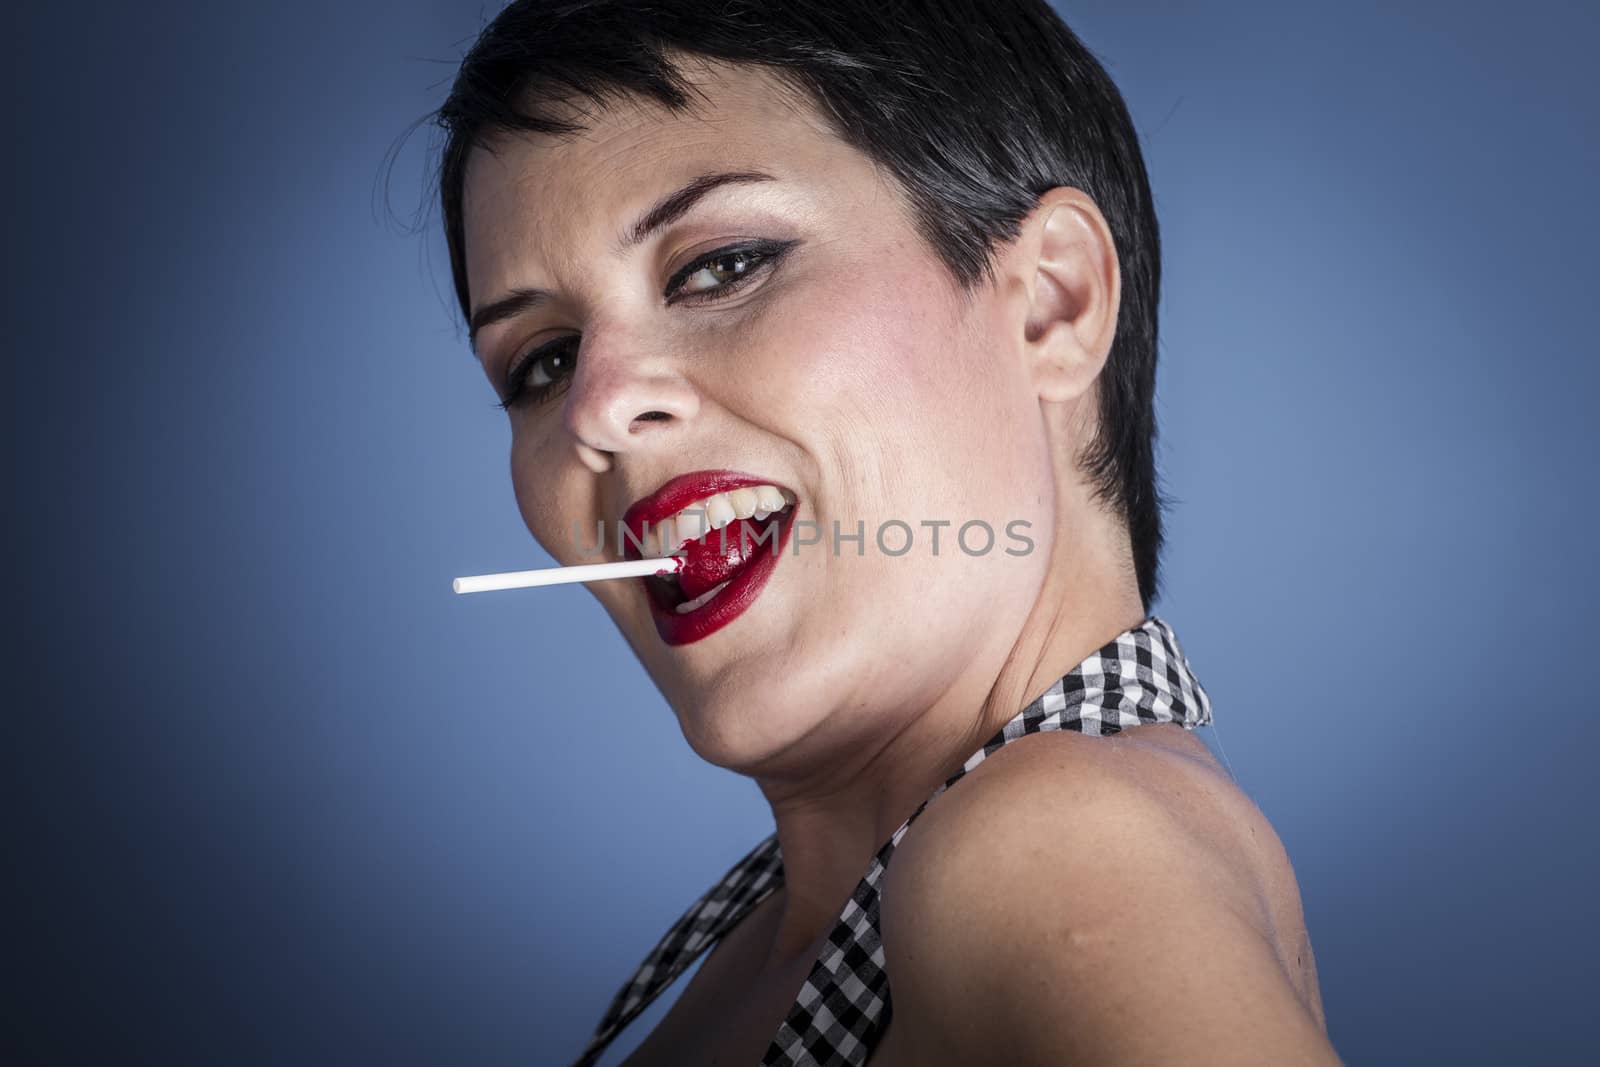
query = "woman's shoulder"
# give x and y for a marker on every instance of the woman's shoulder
(1154, 778)
(1060, 796)
(1069, 865)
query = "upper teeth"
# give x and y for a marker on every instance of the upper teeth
(713, 513)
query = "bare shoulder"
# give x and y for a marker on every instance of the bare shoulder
(1128, 873)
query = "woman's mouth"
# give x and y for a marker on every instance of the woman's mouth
(714, 556)
(731, 541)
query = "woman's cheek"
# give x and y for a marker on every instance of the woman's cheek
(845, 349)
(548, 509)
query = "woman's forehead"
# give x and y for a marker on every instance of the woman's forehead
(573, 194)
(736, 115)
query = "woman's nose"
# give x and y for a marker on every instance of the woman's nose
(620, 404)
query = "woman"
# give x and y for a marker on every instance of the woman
(863, 282)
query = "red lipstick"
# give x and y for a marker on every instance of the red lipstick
(740, 557)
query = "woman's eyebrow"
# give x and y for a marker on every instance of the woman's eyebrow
(667, 210)
(675, 205)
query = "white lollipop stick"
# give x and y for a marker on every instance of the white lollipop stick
(587, 572)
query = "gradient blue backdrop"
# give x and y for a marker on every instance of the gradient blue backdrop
(276, 795)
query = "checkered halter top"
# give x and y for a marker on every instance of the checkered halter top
(1139, 677)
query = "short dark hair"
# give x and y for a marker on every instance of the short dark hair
(975, 108)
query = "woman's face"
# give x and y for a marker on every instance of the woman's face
(842, 368)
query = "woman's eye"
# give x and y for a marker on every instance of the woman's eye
(552, 365)
(725, 270)
(540, 375)
(721, 271)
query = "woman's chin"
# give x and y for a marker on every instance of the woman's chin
(706, 682)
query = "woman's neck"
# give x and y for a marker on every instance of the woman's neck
(830, 828)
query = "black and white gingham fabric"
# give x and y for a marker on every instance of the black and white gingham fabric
(1140, 676)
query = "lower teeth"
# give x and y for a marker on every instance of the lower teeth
(684, 609)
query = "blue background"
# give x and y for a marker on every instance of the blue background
(276, 795)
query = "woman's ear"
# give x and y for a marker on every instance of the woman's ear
(1065, 260)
